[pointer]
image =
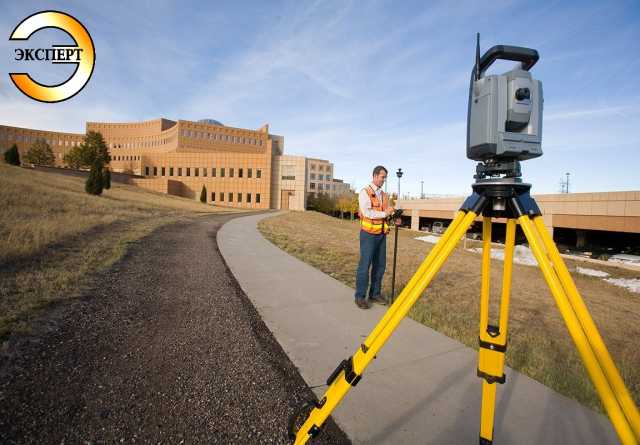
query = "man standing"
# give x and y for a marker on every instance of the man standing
(374, 210)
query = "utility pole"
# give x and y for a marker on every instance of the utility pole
(567, 181)
(421, 189)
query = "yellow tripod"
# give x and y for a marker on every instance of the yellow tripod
(513, 202)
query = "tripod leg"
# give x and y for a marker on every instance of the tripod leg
(349, 372)
(435, 251)
(599, 379)
(597, 344)
(493, 339)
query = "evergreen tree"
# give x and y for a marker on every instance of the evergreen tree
(12, 155)
(312, 202)
(93, 186)
(93, 147)
(203, 195)
(40, 153)
(106, 178)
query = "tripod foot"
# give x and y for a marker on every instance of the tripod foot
(299, 416)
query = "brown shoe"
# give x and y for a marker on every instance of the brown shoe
(362, 303)
(378, 299)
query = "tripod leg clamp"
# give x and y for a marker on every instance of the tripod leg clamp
(491, 361)
(349, 375)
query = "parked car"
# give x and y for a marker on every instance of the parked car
(438, 227)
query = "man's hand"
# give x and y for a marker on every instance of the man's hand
(389, 211)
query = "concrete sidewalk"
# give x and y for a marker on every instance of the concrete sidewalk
(422, 388)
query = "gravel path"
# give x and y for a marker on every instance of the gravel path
(163, 348)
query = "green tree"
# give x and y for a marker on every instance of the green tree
(12, 155)
(354, 205)
(325, 204)
(94, 185)
(203, 195)
(106, 178)
(312, 202)
(93, 147)
(40, 153)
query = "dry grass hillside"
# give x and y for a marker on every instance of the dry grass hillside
(539, 343)
(53, 235)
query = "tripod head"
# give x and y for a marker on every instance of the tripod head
(504, 118)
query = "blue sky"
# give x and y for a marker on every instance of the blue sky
(359, 83)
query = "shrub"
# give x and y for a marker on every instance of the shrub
(12, 155)
(203, 195)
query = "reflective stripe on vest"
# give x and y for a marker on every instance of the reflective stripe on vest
(375, 226)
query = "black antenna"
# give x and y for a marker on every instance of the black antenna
(477, 56)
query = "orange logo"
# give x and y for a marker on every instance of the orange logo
(82, 54)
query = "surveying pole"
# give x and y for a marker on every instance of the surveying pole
(504, 127)
(399, 174)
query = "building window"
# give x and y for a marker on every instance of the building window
(249, 197)
(312, 186)
(146, 171)
(155, 171)
(312, 176)
(230, 197)
(231, 172)
(257, 198)
(213, 172)
(313, 166)
(188, 171)
(170, 171)
(162, 171)
(213, 196)
(258, 173)
(179, 171)
(239, 173)
(321, 177)
(239, 197)
(204, 171)
(196, 172)
(249, 173)
(222, 172)
(328, 177)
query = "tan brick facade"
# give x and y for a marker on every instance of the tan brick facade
(178, 157)
(608, 211)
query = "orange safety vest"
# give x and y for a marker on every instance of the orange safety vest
(375, 226)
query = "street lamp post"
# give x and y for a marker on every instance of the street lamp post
(399, 174)
(567, 181)
(421, 189)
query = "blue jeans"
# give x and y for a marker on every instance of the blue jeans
(373, 254)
